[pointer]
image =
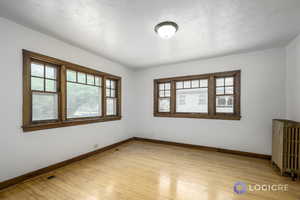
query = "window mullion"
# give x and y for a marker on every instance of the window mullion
(211, 95)
(62, 89)
(173, 97)
(155, 95)
(118, 96)
(44, 77)
(237, 90)
(104, 96)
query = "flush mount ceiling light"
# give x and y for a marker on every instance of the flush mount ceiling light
(166, 29)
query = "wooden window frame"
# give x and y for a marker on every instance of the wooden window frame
(212, 114)
(62, 66)
(110, 94)
(57, 79)
(164, 91)
(86, 83)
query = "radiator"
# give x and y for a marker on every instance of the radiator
(286, 146)
(291, 149)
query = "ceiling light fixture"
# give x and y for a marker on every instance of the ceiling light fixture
(166, 29)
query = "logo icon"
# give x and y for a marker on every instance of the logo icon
(240, 188)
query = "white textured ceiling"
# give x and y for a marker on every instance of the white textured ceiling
(122, 30)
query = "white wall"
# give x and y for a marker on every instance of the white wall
(262, 99)
(293, 79)
(24, 152)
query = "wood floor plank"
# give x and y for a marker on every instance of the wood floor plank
(148, 171)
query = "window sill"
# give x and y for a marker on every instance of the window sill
(74, 122)
(199, 116)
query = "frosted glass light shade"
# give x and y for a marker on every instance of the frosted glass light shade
(166, 30)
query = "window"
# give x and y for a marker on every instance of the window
(83, 95)
(213, 96)
(43, 78)
(164, 97)
(57, 93)
(224, 95)
(192, 96)
(111, 100)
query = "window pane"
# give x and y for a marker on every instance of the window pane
(71, 75)
(97, 81)
(81, 77)
(167, 93)
(50, 85)
(192, 100)
(161, 93)
(113, 84)
(111, 106)
(229, 81)
(229, 90)
(90, 79)
(161, 86)
(167, 86)
(220, 90)
(187, 84)
(37, 69)
(179, 85)
(108, 92)
(37, 83)
(44, 106)
(204, 83)
(224, 104)
(220, 81)
(195, 83)
(50, 72)
(108, 83)
(164, 105)
(113, 93)
(83, 100)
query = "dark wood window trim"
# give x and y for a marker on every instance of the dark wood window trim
(212, 114)
(62, 67)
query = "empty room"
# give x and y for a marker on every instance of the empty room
(150, 100)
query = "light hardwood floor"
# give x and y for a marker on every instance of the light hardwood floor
(147, 171)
